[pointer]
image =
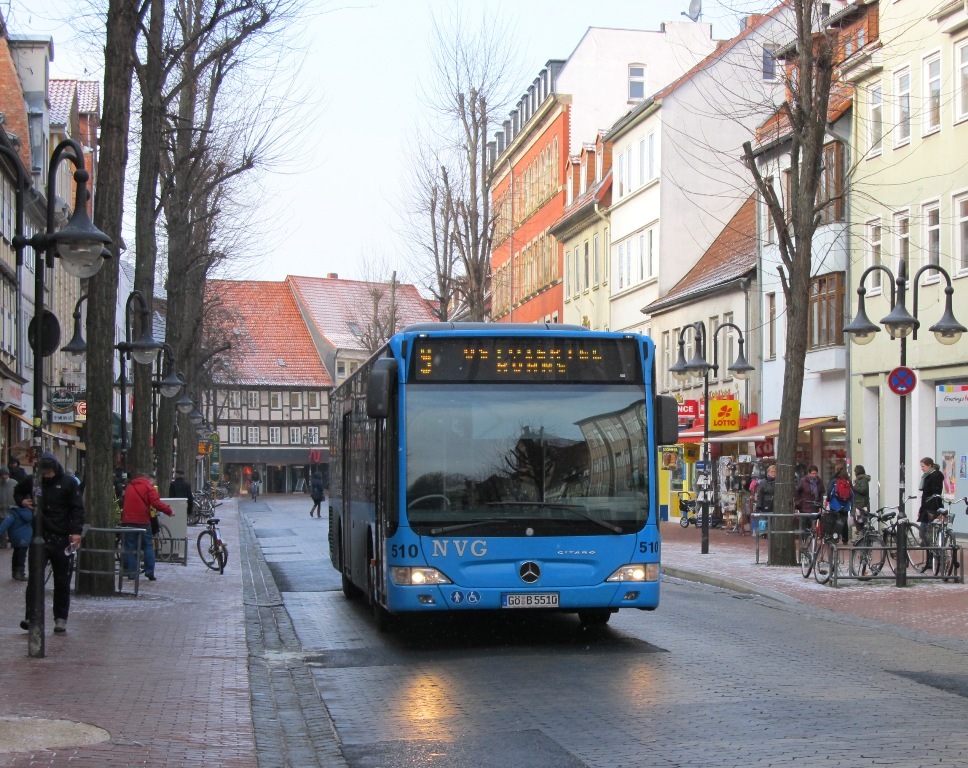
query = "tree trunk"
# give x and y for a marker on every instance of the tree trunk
(122, 35)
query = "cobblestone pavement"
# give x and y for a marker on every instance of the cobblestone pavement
(250, 668)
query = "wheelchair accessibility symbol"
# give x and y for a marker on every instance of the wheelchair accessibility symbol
(473, 597)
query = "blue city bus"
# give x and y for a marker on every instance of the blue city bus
(491, 466)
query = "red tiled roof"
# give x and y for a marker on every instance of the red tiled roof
(731, 255)
(89, 97)
(61, 94)
(271, 343)
(777, 125)
(600, 193)
(333, 304)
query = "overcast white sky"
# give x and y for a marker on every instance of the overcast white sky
(364, 66)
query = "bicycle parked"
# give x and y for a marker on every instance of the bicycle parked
(869, 551)
(942, 552)
(211, 548)
(203, 507)
(916, 555)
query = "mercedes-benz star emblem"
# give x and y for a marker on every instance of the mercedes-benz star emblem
(529, 572)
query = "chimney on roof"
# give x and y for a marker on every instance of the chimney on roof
(332, 276)
(752, 19)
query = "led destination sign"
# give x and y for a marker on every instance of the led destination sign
(579, 360)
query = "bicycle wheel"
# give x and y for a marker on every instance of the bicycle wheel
(222, 555)
(867, 557)
(946, 568)
(207, 549)
(825, 564)
(917, 555)
(807, 546)
(164, 546)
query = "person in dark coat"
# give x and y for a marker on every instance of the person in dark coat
(17, 472)
(63, 523)
(862, 495)
(316, 493)
(180, 489)
(931, 487)
(20, 524)
(808, 496)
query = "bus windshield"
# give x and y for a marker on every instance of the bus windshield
(530, 459)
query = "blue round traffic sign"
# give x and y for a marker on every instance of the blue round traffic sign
(902, 381)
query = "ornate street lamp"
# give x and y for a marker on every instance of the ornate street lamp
(81, 247)
(699, 366)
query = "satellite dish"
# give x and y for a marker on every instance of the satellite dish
(695, 10)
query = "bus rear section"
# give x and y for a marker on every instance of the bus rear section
(512, 471)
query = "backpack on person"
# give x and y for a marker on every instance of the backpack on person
(842, 489)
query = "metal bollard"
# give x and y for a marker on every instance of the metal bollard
(901, 573)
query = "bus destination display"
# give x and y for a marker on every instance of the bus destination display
(483, 360)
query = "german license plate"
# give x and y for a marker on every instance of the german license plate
(530, 600)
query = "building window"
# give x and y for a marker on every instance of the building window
(931, 213)
(253, 438)
(275, 400)
(874, 256)
(642, 272)
(961, 233)
(643, 157)
(312, 435)
(587, 267)
(312, 399)
(769, 62)
(295, 435)
(902, 107)
(596, 257)
(621, 265)
(235, 399)
(253, 399)
(621, 175)
(340, 369)
(636, 82)
(649, 255)
(235, 435)
(902, 237)
(831, 191)
(826, 314)
(295, 399)
(931, 93)
(275, 435)
(875, 120)
(771, 326)
(961, 81)
(652, 156)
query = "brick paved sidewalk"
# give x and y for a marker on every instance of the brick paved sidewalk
(930, 607)
(164, 675)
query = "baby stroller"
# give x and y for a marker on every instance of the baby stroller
(687, 509)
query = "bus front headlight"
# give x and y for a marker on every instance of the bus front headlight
(416, 576)
(636, 572)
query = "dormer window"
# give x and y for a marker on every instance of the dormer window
(636, 82)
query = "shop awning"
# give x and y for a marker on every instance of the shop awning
(767, 430)
(19, 415)
(691, 435)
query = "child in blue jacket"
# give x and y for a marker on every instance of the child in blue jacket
(20, 523)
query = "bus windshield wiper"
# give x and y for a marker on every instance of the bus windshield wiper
(461, 526)
(577, 509)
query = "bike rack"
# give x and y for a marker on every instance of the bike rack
(117, 568)
(957, 577)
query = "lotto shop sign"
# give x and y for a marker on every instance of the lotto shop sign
(723, 415)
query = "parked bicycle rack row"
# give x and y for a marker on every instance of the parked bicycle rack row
(957, 576)
(767, 518)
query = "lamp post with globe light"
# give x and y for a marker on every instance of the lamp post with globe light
(699, 366)
(81, 248)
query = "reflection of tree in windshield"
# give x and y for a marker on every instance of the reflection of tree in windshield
(478, 446)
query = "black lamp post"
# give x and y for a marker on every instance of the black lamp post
(81, 248)
(143, 351)
(682, 370)
(900, 324)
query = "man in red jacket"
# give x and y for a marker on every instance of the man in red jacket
(140, 497)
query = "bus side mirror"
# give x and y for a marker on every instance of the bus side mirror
(666, 414)
(379, 389)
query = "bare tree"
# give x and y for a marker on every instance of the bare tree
(805, 115)
(472, 67)
(123, 19)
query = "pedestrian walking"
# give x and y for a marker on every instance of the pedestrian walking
(19, 525)
(255, 485)
(7, 485)
(808, 496)
(840, 495)
(931, 487)
(180, 489)
(862, 495)
(63, 523)
(140, 497)
(316, 493)
(766, 492)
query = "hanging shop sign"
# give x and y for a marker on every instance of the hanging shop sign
(723, 415)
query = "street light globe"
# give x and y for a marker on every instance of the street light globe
(81, 259)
